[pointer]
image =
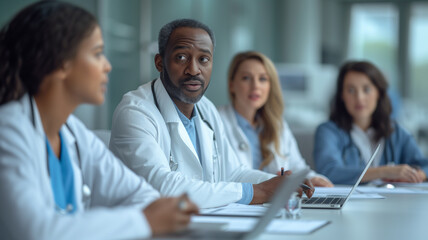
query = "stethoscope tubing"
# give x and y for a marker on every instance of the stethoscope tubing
(199, 112)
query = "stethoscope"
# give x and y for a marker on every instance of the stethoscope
(243, 146)
(174, 165)
(86, 191)
(389, 155)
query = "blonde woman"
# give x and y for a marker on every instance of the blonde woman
(254, 122)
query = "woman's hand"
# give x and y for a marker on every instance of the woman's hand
(167, 215)
(422, 175)
(321, 182)
(402, 173)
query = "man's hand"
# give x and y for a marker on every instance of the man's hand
(308, 192)
(167, 215)
(264, 191)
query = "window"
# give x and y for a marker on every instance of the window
(418, 53)
(374, 36)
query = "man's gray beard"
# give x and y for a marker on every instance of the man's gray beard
(175, 92)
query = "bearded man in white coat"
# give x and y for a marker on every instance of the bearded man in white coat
(169, 133)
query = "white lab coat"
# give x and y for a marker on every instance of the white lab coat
(290, 157)
(27, 206)
(155, 145)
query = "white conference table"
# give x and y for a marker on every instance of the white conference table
(398, 216)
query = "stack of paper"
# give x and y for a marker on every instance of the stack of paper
(397, 190)
(280, 226)
(235, 209)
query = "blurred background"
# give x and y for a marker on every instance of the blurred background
(307, 39)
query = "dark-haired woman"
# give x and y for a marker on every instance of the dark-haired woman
(57, 180)
(359, 121)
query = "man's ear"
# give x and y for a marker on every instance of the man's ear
(158, 62)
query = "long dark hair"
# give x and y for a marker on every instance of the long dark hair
(381, 121)
(38, 41)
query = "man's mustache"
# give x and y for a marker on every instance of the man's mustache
(192, 78)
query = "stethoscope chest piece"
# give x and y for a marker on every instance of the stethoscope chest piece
(243, 146)
(86, 191)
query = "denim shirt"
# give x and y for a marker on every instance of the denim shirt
(337, 157)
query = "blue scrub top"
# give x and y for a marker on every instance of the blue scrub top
(62, 177)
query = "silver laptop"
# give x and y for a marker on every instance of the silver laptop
(336, 201)
(278, 201)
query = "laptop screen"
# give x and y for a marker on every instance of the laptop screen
(369, 163)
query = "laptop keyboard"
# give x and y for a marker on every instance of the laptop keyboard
(324, 200)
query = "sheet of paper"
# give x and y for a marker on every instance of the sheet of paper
(283, 226)
(235, 209)
(397, 190)
(366, 196)
(389, 184)
(423, 185)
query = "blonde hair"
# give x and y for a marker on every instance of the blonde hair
(271, 112)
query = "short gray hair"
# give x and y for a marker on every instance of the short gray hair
(168, 28)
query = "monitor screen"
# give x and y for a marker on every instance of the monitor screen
(293, 81)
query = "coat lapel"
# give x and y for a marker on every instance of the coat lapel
(206, 136)
(179, 136)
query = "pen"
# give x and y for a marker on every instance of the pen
(302, 185)
(182, 204)
(305, 187)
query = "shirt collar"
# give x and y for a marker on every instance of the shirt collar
(244, 124)
(369, 133)
(183, 118)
